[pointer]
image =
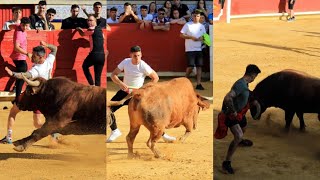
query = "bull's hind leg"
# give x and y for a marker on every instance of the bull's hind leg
(288, 116)
(47, 128)
(302, 124)
(189, 125)
(155, 135)
(134, 130)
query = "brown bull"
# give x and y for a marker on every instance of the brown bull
(163, 105)
(69, 108)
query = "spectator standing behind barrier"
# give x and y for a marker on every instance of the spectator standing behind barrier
(50, 16)
(19, 54)
(134, 9)
(74, 21)
(153, 9)
(16, 17)
(291, 12)
(161, 22)
(97, 8)
(176, 18)
(113, 16)
(145, 18)
(183, 9)
(167, 7)
(39, 20)
(96, 57)
(201, 5)
(192, 32)
(128, 15)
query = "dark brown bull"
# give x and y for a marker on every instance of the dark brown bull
(163, 105)
(68, 107)
(290, 90)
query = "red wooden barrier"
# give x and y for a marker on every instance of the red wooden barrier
(72, 50)
(163, 51)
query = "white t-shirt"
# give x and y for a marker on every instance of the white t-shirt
(148, 18)
(196, 30)
(43, 70)
(110, 21)
(134, 75)
(7, 24)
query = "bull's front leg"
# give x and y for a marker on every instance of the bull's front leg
(155, 135)
(288, 117)
(302, 124)
(49, 127)
(134, 129)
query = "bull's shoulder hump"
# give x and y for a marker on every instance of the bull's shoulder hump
(297, 73)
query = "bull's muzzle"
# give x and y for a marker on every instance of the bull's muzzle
(255, 110)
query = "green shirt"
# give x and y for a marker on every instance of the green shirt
(241, 89)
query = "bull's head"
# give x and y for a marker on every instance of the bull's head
(257, 107)
(28, 101)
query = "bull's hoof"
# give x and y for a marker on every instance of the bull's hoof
(134, 155)
(19, 148)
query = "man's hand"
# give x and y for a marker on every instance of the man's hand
(123, 86)
(29, 55)
(42, 43)
(8, 71)
(83, 7)
(194, 38)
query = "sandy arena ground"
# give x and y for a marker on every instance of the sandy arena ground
(190, 160)
(79, 157)
(273, 45)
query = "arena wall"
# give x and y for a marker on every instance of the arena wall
(72, 50)
(254, 8)
(163, 51)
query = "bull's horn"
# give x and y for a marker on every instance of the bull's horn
(114, 103)
(31, 83)
(258, 106)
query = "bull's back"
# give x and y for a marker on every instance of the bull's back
(169, 100)
(291, 89)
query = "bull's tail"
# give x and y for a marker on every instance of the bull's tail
(201, 103)
(136, 100)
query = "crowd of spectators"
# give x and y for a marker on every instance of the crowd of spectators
(42, 19)
(171, 12)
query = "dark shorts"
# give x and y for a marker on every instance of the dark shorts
(195, 58)
(290, 6)
(242, 123)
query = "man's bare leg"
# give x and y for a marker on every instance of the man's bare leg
(11, 119)
(37, 122)
(238, 134)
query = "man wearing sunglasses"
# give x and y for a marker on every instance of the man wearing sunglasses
(161, 22)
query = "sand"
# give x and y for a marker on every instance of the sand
(78, 157)
(192, 159)
(273, 45)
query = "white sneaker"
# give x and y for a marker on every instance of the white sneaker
(114, 135)
(168, 138)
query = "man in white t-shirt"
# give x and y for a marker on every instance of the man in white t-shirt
(192, 32)
(135, 70)
(42, 68)
(17, 15)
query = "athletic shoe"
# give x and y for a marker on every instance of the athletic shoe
(226, 166)
(6, 140)
(246, 143)
(199, 87)
(168, 138)
(114, 135)
(291, 19)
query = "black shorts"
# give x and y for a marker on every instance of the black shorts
(195, 58)
(243, 123)
(291, 5)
